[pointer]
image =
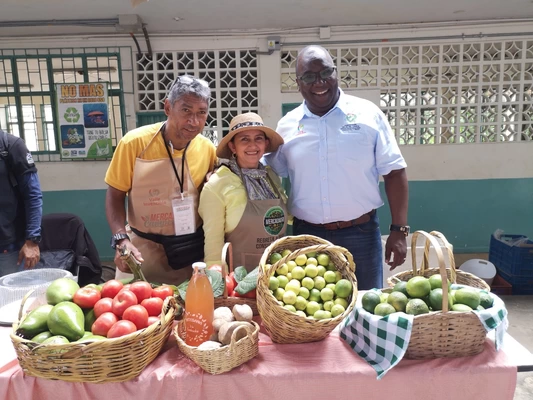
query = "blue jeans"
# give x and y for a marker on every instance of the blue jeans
(8, 262)
(363, 241)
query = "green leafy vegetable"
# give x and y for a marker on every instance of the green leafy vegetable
(249, 282)
(239, 273)
(215, 278)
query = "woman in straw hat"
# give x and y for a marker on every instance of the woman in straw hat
(243, 202)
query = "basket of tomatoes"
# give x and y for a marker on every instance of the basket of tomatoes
(97, 333)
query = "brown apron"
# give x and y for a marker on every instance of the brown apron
(150, 210)
(262, 222)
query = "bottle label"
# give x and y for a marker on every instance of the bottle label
(196, 326)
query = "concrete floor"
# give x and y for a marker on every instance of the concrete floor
(520, 310)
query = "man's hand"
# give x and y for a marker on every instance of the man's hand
(119, 262)
(396, 245)
(30, 253)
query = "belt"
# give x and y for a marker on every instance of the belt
(333, 226)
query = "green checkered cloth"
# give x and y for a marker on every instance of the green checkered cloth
(383, 341)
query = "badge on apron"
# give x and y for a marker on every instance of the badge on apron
(183, 209)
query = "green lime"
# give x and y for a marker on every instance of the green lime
(273, 283)
(401, 287)
(461, 308)
(343, 288)
(370, 300)
(418, 286)
(468, 296)
(398, 300)
(275, 257)
(383, 309)
(416, 307)
(485, 300)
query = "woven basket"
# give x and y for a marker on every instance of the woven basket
(445, 333)
(110, 360)
(226, 300)
(223, 359)
(453, 274)
(282, 325)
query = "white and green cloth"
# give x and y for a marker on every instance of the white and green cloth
(383, 341)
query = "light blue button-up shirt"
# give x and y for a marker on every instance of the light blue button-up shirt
(334, 161)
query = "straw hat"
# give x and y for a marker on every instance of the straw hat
(244, 122)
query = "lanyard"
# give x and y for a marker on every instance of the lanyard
(180, 181)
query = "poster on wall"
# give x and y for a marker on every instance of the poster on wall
(83, 120)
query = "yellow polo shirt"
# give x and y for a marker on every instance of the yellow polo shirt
(200, 156)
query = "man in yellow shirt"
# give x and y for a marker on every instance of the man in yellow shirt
(161, 168)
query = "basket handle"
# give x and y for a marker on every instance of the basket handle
(24, 299)
(227, 265)
(430, 239)
(449, 249)
(234, 340)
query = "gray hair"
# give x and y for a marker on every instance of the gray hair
(187, 84)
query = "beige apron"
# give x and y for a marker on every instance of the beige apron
(150, 210)
(262, 222)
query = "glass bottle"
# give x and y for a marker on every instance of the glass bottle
(199, 307)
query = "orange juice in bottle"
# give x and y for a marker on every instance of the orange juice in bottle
(199, 307)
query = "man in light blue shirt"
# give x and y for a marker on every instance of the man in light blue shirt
(336, 147)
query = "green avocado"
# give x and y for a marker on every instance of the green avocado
(58, 339)
(67, 319)
(61, 289)
(35, 322)
(91, 338)
(41, 337)
(89, 319)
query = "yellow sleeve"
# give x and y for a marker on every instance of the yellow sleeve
(120, 171)
(212, 210)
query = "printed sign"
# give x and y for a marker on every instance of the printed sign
(83, 120)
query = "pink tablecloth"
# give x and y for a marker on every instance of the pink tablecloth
(324, 370)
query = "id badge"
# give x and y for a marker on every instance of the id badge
(184, 215)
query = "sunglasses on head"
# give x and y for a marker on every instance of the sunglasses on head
(311, 77)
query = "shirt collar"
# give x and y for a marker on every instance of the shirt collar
(341, 105)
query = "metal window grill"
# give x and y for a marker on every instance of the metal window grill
(27, 91)
(231, 74)
(467, 92)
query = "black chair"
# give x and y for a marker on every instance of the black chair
(67, 244)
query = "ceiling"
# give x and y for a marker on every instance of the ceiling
(191, 16)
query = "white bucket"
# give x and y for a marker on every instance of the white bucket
(481, 268)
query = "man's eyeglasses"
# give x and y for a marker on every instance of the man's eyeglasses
(311, 77)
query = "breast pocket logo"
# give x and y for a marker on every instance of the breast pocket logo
(350, 128)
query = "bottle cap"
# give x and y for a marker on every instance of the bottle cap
(199, 265)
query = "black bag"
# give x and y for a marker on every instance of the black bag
(60, 259)
(182, 250)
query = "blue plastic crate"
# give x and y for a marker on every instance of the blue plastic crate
(520, 284)
(512, 260)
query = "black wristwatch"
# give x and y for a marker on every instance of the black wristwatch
(34, 239)
(117, 237)
(405, 229)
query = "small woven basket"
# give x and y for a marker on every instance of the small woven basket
(226, 300)
(453, 274)
(110, 360)
(445, 333)
(282, 325)
(225, 358)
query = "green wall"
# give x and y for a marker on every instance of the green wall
(466, 211)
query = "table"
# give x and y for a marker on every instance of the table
(323, 370)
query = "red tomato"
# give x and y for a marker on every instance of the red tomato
(232, 276)
(103, 323)
(152, 320)
(142, 290)
(123, 300)
(163, 292)
(121, 328)
(102, 306)
(234, 294)
(86, 297)
(215, 267)
(153, 305)
(138, 315)
(230, 284)
(111, 288)
(252, 294)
